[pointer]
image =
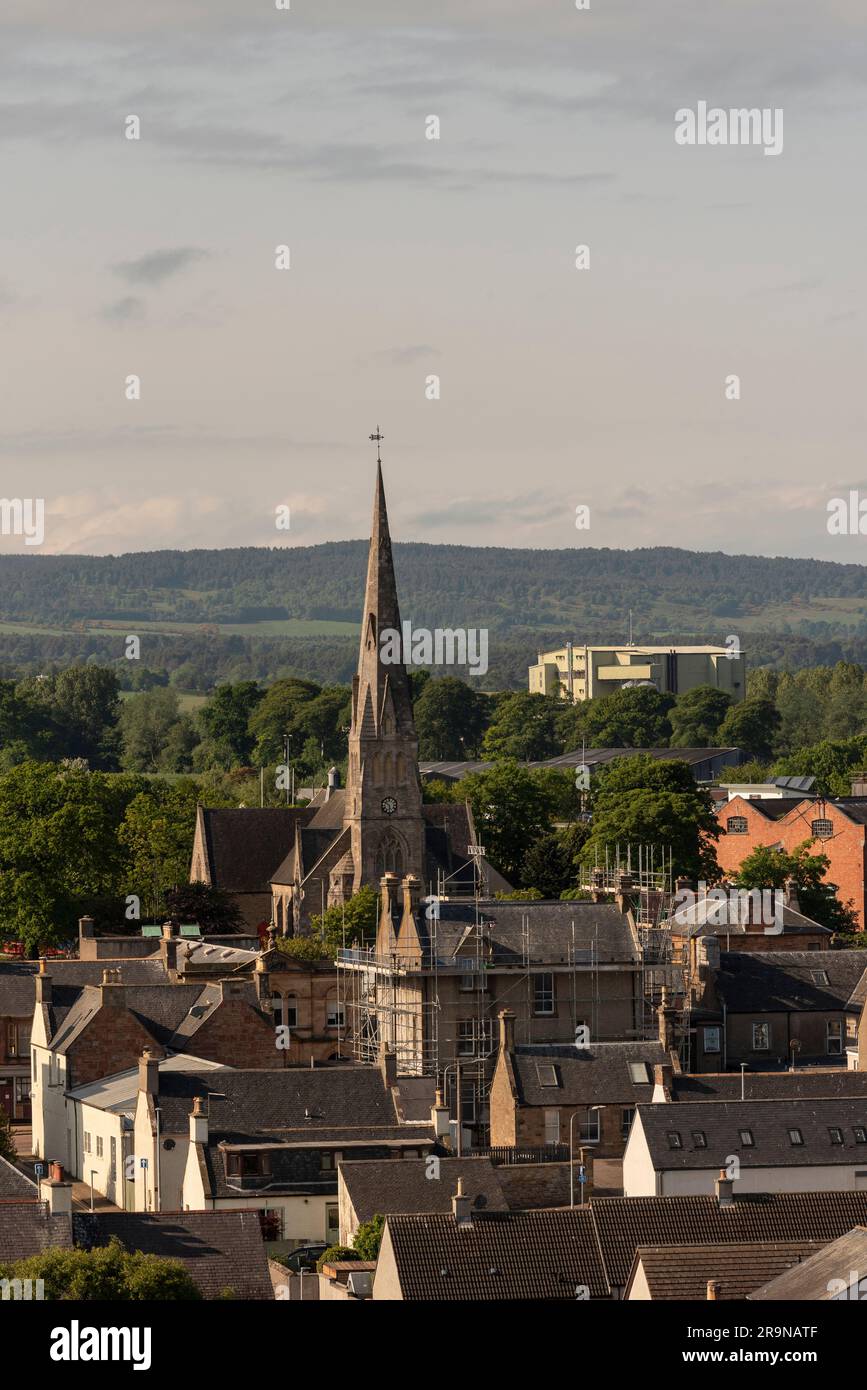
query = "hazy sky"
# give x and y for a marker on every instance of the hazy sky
(411, 257)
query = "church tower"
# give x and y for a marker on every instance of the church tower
(383, 807)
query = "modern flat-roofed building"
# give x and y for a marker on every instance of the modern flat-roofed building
(581, 672)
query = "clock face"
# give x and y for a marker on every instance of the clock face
(389, 805)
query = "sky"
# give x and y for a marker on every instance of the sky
(412, 259)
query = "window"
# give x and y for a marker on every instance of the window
(822, 829)
(834, 1035)
(674, 1140)
(761, 1037)
(627, 1115)
(11, 1040)
(820, 977)
(552, 1126)
(291, 1011)
(699, 1139)
(86, 1142)
(543, 993)
(467, 981)
(546, 1074)
(248, 1165)
(335, 1014)
(277, 1009)
(474, 1037)
(747, 1140)
(835, 1135)
(271, 1220)
(332, 1223)
(795, 1137)
(737, 825)
(99, 1146)
(640, 1073)
(860, 1133)
(22, 1089)
(712, 1039)
(328, 1160)
(588, 1130)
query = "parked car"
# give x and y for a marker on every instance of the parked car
(303, 1258)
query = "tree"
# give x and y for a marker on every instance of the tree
(157, 834)
(636, 717)
(7, 1143)
(645, 801)
(213, 909)
(551, 862)
(449, 720)
(511, 807)
(751, 726)
(155, 734)
(830, 763)
(226, 719)
(368, 1237)
(78, 712)
(343, 924)
(272, 717)
(106, 1273)
(697, 715)
(765, 867)
(336, 1254)
(524, 728)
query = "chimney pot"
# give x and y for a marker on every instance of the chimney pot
(199, 1122)
(388, 1065)
(714, 1289)
(724, 1189)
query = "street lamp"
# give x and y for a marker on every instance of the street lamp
(586, 1111)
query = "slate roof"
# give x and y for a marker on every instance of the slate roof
(13, 1184)
(624, 1223)
(598, 1074)
(68, 977)
(783, 981)
(161, 1009)
(601, 931)
(809, 1279)
(389, 1187)
(244, 845)
(17, 989)
(220, 1249)
(538, 1255)
(27, 1228)
(721, 1123)
(802, 1084)
(529, 1185)
(683, 1271)
(594, 757)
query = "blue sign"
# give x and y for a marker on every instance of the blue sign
(38, 1169)
(143, 1163)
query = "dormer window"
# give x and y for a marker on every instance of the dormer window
(253, 1164)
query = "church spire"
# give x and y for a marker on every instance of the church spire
(381, 614)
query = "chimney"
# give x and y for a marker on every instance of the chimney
(333, 782)
(43, 985)
(86, 927)
(439, 1117)
(411, 893)
(198, 1122)
(790, 898)
(725, 1189)
(624, 892)
(388, 1065)
(389, 884)
(169, 951)
(461, 1207)
(665, 1016)
(56, 1191)
(714, 1289)
(168, 930)
(149, 1071)
(663, 1077)
(262, 981)
(507, 1030)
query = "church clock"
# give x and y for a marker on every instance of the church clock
(389, 805)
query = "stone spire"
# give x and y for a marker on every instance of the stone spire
(376, 679)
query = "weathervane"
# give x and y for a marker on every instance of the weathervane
(377, 440)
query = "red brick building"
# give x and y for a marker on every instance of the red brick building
(838, 828)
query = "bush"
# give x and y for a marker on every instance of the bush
(336, 1254)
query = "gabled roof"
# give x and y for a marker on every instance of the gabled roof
(625, 1223)
(384, 1187)
(601, 932)
(536, 1255)
(782, 981)
(802, 1084)
(13, 1184)
(814, 1279)
(27, 1228)
(245, 845)
(683, 1271)
(223, 1251)
(721, 1124)
(615, 1073)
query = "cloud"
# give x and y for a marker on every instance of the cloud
(157, 266)
(123, 310)
(404, 356)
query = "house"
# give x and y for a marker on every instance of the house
(753, 1145)
(273, 1140)
(549, 1094)
(805, 1083)
(374, 1188)
(665, 1273)
(16, 1017)
(744, 921)
(441, 970)
(623, 1225)
(837, 826)
(832, 1274)
(778, 1008)
(468, 1256)
(580, 672)
(84, 1033)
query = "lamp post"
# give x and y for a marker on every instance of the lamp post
(587, 1111)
